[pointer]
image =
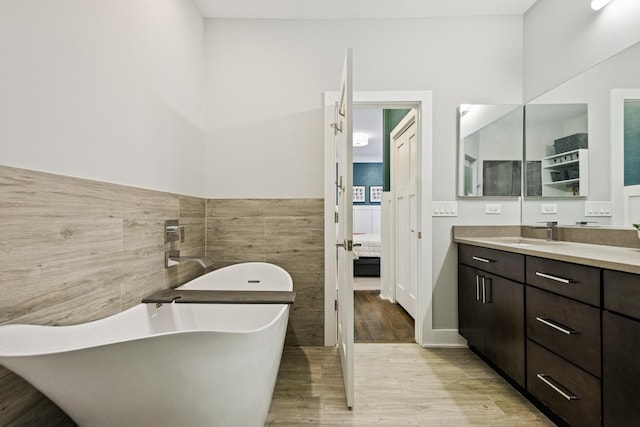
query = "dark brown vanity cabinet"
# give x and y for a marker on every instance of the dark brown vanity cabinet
(491, 307)
(621, 349)
(564, 339)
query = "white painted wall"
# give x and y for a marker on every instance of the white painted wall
(104, 90)
(564, 38)
(266, 77)
(264, 113)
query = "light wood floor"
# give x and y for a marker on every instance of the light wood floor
(396, 385)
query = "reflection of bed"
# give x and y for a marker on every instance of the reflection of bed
(366, 252)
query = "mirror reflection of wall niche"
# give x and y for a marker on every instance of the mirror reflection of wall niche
(490, 150)
(556, 136)
(595, 87)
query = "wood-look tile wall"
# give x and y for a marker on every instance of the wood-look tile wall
(72, 251)
(286, 232)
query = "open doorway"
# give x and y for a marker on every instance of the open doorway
(377, 315)
(422, 103)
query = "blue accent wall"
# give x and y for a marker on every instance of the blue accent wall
(367, 174)
(390, 119)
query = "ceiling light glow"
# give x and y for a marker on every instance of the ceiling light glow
(360, 139)
(599, 4)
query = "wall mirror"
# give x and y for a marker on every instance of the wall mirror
(602, 203)
(556, 150)
(489, 150)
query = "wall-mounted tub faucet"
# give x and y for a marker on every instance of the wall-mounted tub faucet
(173, 257)
(173, 231)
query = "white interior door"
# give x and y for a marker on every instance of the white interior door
(405, 144)
(344, 236)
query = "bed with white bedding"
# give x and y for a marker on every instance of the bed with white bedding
(366, 253)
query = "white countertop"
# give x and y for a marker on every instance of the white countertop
(602, 256)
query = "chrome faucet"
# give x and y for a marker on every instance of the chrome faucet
(552, 230)
(173, 257)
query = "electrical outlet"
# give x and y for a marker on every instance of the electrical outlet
(598, 209)
(549, 208)
(444, 208)
(493, 208)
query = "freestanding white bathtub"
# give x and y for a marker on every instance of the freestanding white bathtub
(172, 365)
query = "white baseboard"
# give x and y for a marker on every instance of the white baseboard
(446, 338)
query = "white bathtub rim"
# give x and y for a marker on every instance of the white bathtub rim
(71, 347)
(238, 266)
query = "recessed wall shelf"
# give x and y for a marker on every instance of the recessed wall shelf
(566, 174)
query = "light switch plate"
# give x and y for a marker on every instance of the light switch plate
(598, 208)
(493, 208)
(444, 208)
(549, 208)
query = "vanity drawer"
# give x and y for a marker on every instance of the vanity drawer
(505, 264)
(622, 293)
(571, 280)
(566, 327)
(570, 392)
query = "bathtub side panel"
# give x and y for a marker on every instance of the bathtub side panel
(195, 378)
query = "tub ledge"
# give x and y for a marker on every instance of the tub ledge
(184, 296)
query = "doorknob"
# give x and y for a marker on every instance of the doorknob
(347, 244)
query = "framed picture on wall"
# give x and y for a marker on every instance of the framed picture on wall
(358, 193)
(375, 193)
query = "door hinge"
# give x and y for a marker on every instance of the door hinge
(419, 234)
(336, 217)
(335, 305)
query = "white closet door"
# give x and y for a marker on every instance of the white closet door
(406, 196)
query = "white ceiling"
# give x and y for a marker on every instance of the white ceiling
(358, 9)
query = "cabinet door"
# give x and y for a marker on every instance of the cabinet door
(470, 309)
(620, 370)
(504, 326)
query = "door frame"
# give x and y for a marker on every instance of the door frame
(620, 193)
(422, 102)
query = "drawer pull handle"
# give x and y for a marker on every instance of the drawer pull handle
(555, 326)
(477, 288)
(557, 279)
(477, 258)
(558, 388)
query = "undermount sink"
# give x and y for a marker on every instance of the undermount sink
(523, 241)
